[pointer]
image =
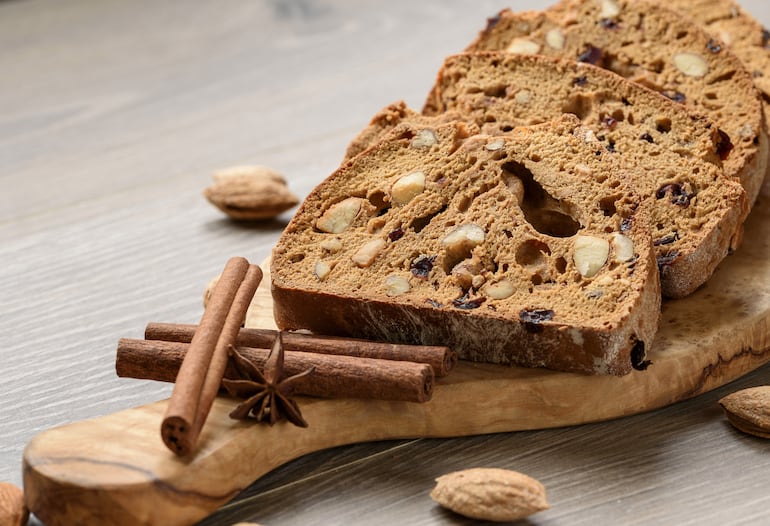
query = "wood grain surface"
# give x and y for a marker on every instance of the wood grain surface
(112, 117)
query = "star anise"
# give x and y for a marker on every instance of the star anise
(267, 393)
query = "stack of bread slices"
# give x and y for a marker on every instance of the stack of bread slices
(569, 170)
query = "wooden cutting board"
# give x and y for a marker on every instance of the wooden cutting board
(115, 469)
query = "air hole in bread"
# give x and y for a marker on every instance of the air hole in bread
(607, 205)
(579, 105)
(724, 77)
(561, 265)
(421, 222)
(379, 201)
(497, 91)
(663, 124)
(546, 214)
(296, 258)
(532, 253)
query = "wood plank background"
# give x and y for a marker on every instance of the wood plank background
(112, 117)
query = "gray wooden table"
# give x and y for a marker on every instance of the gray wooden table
(112, 117)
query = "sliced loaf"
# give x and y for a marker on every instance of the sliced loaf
(658, 48)
(698, 211)
(527, 249)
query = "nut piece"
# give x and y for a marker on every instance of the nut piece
(494, 145)
(748, 410)
(500, 290)
(522, 97)
(331, 244)
(490, 494)
(467, 273)
(691, 64)
(623, 248)
(609, 9)
(13, 511)
(590, 255)
(463, 238)
(339, 216)
(250, 192)
(523, 46)
(322, 270)
(424, 139)
(555, 38)
(407, 188)
(583, 169)
(396, 285)
(368, 252)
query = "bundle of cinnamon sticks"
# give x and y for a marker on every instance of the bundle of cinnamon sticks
(195, 358)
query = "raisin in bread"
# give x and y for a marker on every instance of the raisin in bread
(525, 249)
(658, 48)
(698, 211)
(733, 25)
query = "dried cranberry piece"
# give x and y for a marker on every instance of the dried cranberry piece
(434, 303)
(467, 303)
(422, 266)
(724, 145)
(675, 96)
(666, 240)
(626, 223)
(713, 46)
(396, 234)
(536, 315)
(592, 55)
(611, 146)
(637, 356)
(582, 80)
(608, 23)
(492, 22)
(765, 37)
(666, 259)
(532, 318)
(679, 195)
(647, 137)
(609, 122)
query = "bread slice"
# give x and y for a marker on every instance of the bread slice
(736, 27)
(527, 249)
(698, 211)
(657, 47)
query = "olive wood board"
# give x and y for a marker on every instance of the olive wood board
(115, 469)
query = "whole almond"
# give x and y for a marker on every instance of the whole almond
(748, 410)
(250, 192)
(13, 511)
(490, 494)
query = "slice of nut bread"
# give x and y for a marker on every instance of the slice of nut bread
(697, 210)
(736, 27)
(527, 249)
(657, 47)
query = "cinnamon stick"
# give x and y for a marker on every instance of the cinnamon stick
(200, 373)
(334, 376)
(441, 359)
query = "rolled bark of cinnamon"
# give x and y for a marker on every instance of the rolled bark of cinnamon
(334, 376)
(441, 359)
